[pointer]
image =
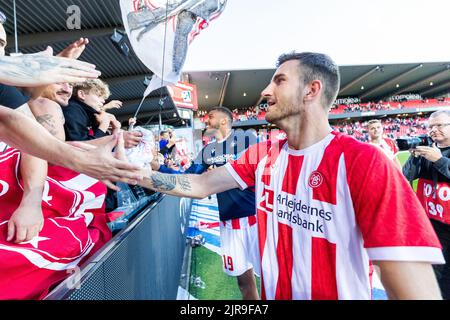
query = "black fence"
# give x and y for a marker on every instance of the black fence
(142, 261)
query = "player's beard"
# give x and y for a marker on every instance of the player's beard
(211, 131)
(282, 110)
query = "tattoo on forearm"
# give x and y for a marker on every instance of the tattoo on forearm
(163, 182)
(168, 182)
(23, 67)
(46, 120)
(184, 183)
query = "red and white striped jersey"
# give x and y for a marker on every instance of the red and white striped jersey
(239, 223)
(388, 146)
(323, 212)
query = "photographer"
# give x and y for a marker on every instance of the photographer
(431, 164)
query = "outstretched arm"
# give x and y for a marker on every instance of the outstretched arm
(21, 132)
(190, 185)
(32, 70)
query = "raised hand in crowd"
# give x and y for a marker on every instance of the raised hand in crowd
(115, 126)
(114, 104)
(106, 119)
(104, 166)
(72, 51)
(132, 138)
(34, 70)
(132, 122)
(119, 152)
(172, 139)
(75, 49)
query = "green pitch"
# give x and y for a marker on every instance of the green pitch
(402, 157)
(207, 265)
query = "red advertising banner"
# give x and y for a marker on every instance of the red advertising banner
(184, 95)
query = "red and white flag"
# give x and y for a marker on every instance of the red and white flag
(160, 32)
(74, 228)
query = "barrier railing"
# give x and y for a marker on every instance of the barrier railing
(142, 261)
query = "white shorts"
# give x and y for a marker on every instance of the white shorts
(239, 246)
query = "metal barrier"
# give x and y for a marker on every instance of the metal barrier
(142, 261)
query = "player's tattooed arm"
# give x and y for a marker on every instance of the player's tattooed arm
(168, 182)
(190, 185)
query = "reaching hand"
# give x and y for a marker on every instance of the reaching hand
(132, 138)
(131, 122)
(75, 49)
(25, 223)
(119, 152)
(34, 70)
(101, 164)
(114, 104)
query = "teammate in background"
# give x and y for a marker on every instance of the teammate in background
(238, 230)
(376, 138)
(327, 204)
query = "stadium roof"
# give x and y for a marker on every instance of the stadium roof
(239, 89)
(43, 22)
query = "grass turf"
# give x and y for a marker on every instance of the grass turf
(207, 265)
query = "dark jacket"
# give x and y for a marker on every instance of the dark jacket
(420, 167)
(80, 118)
(233, 203)
(11, 97)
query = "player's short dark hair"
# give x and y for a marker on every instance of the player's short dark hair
(225, 111)
(317, 66)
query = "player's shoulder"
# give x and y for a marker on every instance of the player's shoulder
(353, 148)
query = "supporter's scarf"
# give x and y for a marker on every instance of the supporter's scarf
(74, 228)
(160, 35)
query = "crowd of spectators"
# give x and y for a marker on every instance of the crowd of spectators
(258, 113)
(173, 151)
(393, 127)
(252, 113)
(54, 212)
(389, 105)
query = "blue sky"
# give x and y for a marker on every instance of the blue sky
(251, 34)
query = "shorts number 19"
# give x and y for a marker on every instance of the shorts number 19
(227, 263)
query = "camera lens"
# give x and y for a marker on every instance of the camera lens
(406, 143)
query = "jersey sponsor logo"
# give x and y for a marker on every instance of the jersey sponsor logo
(315, 179)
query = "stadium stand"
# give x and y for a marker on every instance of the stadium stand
(105, 275)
